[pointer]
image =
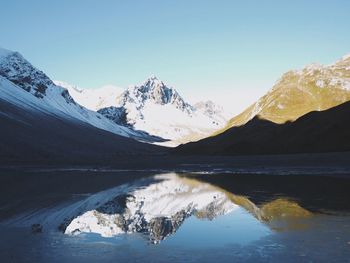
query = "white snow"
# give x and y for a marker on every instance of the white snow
(346, 85)
(280, 106)
(164, 195)
(171, 195)
(51, 99)
(55, 104)
(160, 110)
(93, 99)
(155, 108)
(4, 52)
(320, 83)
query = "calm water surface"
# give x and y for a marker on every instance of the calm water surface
(190, 218)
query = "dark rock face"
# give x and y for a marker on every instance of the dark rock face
(65, 94)
(115, 206)
(116, 114)
(18, 70)
(161, 227)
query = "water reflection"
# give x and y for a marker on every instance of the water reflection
(156, 210)
(159, 208)
(200, 218)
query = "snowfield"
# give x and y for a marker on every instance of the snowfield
(151, 112)
(155, 108)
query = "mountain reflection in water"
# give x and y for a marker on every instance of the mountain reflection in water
(192, 218)
(158, 207)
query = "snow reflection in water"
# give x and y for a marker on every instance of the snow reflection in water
(200, 221)
(158, 209)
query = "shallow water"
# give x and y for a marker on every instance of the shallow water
(190, 218)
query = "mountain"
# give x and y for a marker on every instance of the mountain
(32, 133)
(40, 120)
(156, 210)
(297, 92)
(47, 96)
(157, 109)
(156, 207)
(318, 131)
(212, 110)
(92, 99)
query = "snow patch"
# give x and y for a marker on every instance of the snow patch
(93, 99)
(280, 106)
(320, 83)
(5, 52)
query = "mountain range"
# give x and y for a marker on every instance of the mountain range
(41, 121)
(317, 131)
(153, 107)
(305, 111)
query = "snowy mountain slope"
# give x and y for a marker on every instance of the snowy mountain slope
(41, 94)
(19, 71)
(157, 210)
(212, 110)
(155, 108)
(155, 207)
(297, 92)
(32, 132)
(92, 99)
(160, 110)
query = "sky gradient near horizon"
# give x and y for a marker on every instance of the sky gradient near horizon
(230, 51)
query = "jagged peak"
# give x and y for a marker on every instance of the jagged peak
(153, 82)
(17, 69)
(153, 77)
(6, 52)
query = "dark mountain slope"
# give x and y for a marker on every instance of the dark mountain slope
(322, 131)
(36, 137)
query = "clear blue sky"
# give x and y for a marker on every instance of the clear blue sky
(236, 48)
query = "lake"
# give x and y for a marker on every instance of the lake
(184, 217)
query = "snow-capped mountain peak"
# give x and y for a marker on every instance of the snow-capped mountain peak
(153, 91)
(35, 91)
(153, 80)
(18, 70)
(160, 110)
(5, 52)
(153, 107)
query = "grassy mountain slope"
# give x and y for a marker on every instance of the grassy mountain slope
(314, 88)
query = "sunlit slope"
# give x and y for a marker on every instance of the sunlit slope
(296, 93)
